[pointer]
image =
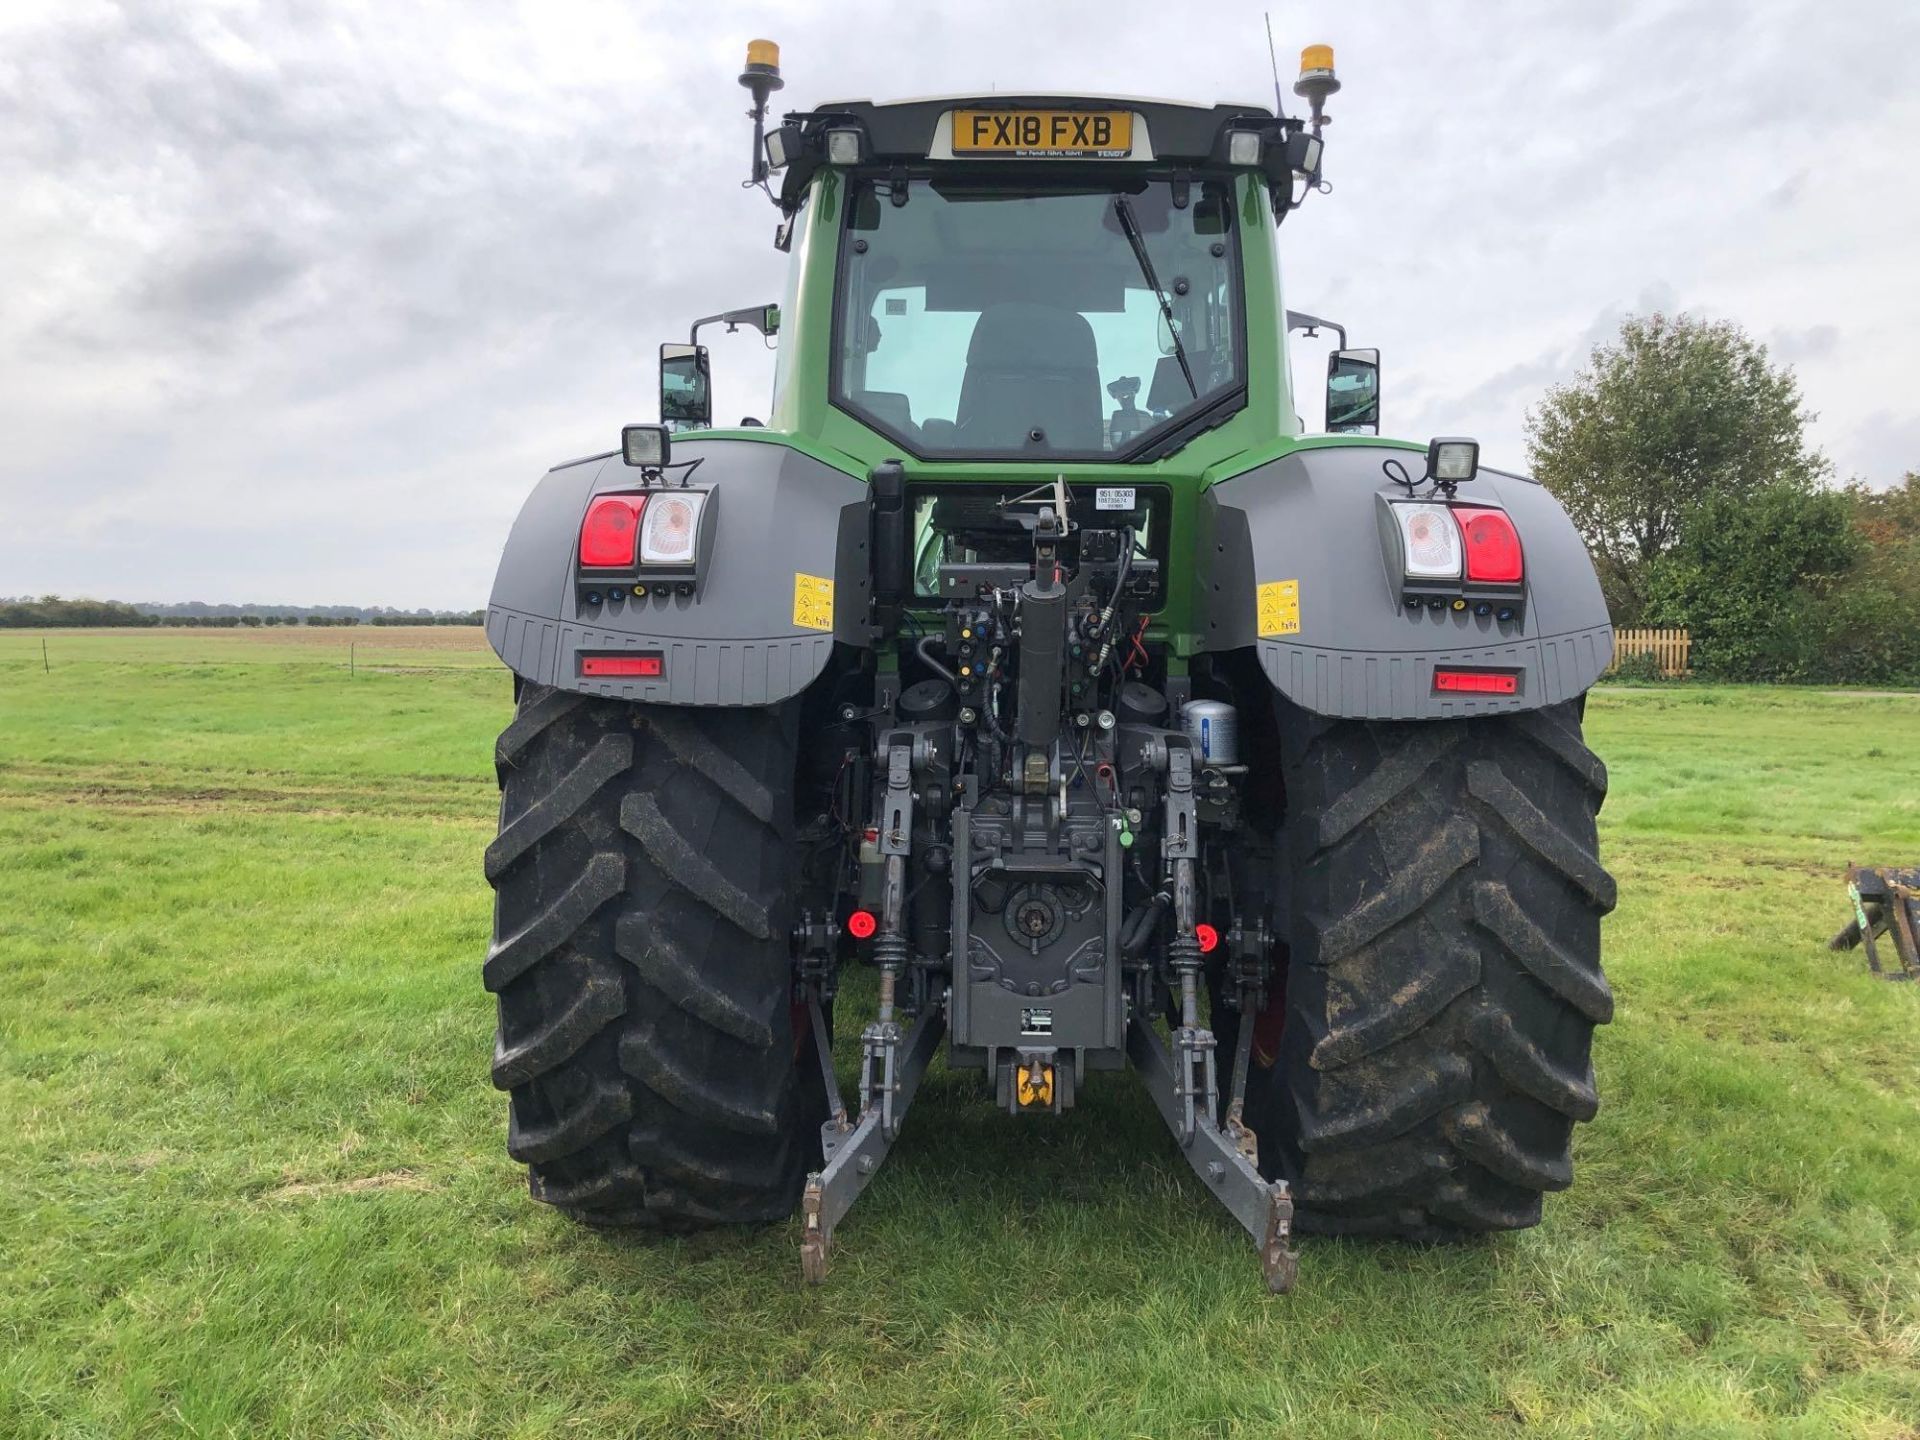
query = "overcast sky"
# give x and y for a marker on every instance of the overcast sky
(299, 300)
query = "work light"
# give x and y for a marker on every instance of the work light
(1243, 147)
(1452, 459)
(644, 445)
(782, 145)
(844, 145)
(1303, 153)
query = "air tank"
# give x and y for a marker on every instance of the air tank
(1214, 728)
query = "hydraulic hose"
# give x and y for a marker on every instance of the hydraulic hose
(1113, 605)
(1140, 926)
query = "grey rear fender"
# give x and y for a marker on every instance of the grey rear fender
(1336, 636)
(782, 523)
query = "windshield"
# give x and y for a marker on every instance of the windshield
(978, 320)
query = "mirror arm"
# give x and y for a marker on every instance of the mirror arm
(1300, 320)
(754, 315)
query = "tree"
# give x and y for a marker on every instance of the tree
(51, 610)
(1752, 578)
(1679, 409)
(1889, 522)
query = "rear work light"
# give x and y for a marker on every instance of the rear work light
(610, 535)
(1477, 682)
(647, 667)
(1493, 545)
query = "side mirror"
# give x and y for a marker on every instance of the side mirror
(1353, 392)
(686, 389)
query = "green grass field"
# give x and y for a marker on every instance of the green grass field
(255, 1178)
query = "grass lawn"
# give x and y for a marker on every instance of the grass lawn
(256, 1180)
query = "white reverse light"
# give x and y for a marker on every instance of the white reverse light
(670, 527)
(1430, 541)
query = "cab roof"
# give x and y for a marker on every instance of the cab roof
(906, 128)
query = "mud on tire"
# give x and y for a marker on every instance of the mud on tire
(641, 960)
(1443, 896)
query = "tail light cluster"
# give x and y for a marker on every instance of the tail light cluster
(638, 543)
(1458, 556)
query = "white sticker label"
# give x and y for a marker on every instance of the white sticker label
(1113, 497)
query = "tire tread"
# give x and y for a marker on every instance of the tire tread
(1444, 975)
(640, 959)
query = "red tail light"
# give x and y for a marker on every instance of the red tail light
(610, 535)
(1208, 937)
(649, 666)
(1492, 545)
(1477, 682)
(861, 924)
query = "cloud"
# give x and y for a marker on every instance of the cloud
(1882, 449)
(1814, 342)
(302, 297)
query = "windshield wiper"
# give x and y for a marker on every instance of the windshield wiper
(1128, 227)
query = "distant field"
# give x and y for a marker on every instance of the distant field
(373, 645)
(256, 1183)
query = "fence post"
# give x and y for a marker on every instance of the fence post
(350, 669)
(45, 664)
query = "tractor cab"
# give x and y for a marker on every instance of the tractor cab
(1043, 278)
(1037, 278)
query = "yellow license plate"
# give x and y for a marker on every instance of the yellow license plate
(1044, 134)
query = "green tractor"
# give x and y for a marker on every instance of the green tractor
(1032, 655)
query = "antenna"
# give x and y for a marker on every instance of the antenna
(1279, 106)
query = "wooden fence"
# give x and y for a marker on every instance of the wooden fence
(1668, 648)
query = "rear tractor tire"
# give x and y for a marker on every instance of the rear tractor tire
(1443, 902)
(643, 874)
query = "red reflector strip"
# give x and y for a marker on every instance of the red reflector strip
(1478, 682)
(606, 665)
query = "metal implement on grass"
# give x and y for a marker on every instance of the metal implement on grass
(1886, 906)
(1031, 655)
